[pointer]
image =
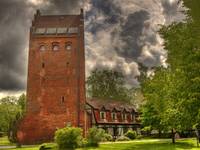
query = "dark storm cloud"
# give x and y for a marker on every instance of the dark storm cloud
(14, 20)
(123, 34)
(131, 31)
(118, 34)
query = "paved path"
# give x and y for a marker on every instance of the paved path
(9, 146)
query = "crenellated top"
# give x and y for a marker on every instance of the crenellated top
(57, 24)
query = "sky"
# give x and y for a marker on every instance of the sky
(119, 34)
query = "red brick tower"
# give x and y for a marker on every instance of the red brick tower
(56, 77)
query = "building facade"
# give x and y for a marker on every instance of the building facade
(115, 117)
(56, 84)
(56, 77)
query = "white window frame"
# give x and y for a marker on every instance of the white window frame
(102, 113)
(114, 114)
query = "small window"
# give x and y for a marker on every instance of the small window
(124, 116)
(55, 46)
(61, 30)
(133, 117)
(51, 30)
(43, 65)
(102, 115)
(62, 99)
(114, 116)
(73, 30)
(68, 46)
(40, 31)
(42, 48)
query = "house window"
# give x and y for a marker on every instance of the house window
(114, 116)
(124, 116)
(133, 117)
(102, 115)
(55, 46)
(68, 46)
(42, 48)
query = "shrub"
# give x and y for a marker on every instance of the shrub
(95, 136)
(68, 137)
(131, 134)
(139, 137)
(108, 137)
(84, 142)
(123, 138)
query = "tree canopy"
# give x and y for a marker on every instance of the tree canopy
(172, 94)
(10, 107)
(108, 84)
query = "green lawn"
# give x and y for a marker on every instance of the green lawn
(189, 144)
(145, 144)
(4, 141)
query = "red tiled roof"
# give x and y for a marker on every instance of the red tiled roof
(110, 104)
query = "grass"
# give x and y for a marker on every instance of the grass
(4, 141)
(144, 144)
(188, 144)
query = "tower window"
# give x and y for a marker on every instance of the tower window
(62, 99)
(43, 65)
(68, 46)
(42, 48)
(51, 30)
(55, 46)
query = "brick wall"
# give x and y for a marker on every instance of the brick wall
(56, 84)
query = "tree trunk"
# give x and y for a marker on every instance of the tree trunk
(198, 134)
(198, 137)
(173, 136)
(159, 133)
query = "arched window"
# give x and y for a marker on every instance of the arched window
(42, 47)
(55, 46)
(68, 46)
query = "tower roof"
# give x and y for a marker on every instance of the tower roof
(57, 20)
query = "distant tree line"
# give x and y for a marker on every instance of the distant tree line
(11, 110)
(107, 84)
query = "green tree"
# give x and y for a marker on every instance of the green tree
(22, 102)
(176, 89)
(12, 131)
(8, 111)
(11, 111)
(108, 84)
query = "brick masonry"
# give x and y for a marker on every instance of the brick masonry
(56, 80)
